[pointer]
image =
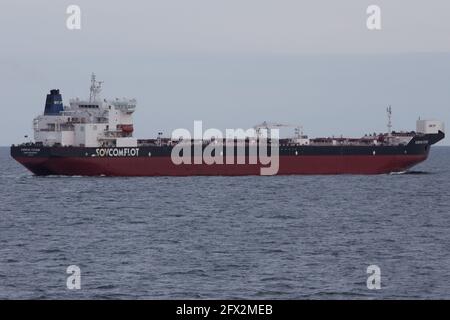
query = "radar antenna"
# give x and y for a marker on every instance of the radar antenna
(96, 88)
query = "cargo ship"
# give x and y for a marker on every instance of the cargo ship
(94, 137)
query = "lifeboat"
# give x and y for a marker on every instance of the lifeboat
(127, 128)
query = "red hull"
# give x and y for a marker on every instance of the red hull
(163, 166)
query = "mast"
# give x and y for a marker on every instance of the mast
(389, 124)
(96, 88)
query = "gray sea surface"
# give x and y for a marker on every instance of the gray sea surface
(280, 237)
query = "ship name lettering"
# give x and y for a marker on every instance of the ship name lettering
(117, 152)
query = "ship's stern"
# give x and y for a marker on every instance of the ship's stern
(32, 157)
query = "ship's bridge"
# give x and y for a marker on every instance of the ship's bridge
(87, 123)
(127, 106)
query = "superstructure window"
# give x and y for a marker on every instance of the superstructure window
(89, 106)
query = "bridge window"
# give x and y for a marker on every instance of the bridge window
(89, 106)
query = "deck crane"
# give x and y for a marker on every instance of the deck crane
(272, 125)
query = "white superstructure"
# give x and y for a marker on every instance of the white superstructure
(86, 123)
(429, 126)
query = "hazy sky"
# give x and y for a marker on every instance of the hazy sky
(231, 63)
